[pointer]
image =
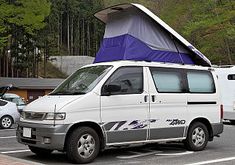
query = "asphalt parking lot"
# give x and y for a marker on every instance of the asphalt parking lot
(220, 151)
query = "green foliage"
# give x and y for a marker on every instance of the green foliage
(72, 27)
(208, 25)
(52, 71)
(20, 21)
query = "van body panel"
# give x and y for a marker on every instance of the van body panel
(86, 108)
(128, 112)
(50, 103)
(168, 109)
(126, 118)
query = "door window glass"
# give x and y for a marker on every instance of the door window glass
(129, 80)
(165, 80)
(2, 103)
(200, 82)
(231, 77)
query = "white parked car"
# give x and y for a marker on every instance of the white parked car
(8, 114)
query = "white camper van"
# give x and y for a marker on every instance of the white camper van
(226, 76)
(124, 102)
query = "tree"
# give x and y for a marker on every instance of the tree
(21, 20)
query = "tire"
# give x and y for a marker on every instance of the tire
(6, 122)
(197, 137)
(83, 145)
(40, 151)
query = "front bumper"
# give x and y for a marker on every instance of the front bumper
(56, 134)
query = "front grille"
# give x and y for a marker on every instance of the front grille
(34, 115)
(31, 140)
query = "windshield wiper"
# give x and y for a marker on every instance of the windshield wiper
(78, 93)
(60, 93)
(67, 93)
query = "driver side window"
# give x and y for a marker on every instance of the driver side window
(129, 80)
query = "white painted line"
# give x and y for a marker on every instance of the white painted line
(213, 161)
(2, 130)
(11, 152)
(137, 155)
(7, 137)
(175, 154)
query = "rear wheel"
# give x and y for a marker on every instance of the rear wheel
(197, 137)
(6, 122)
(40, 151)
(83, 145)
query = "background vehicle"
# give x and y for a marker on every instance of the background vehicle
(226, 79)
(8, 114)
(15, 99)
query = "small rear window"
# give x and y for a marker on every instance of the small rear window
(2, 103)
(231, 77)
(200, 82)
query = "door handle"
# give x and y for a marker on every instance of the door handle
(153, 98)
(145, 98)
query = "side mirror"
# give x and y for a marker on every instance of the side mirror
(108, 89)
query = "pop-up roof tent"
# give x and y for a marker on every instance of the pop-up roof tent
(133, 32)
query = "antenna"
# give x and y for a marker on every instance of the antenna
(54, 114)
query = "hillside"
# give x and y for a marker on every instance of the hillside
(51, 71)
(208, 25)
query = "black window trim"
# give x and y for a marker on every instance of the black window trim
(102, 88)
(3, 103)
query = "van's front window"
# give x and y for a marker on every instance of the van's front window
(82, 81)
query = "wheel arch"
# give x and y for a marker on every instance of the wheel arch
(90, 124)
(206, 123)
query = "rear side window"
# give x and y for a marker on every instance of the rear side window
(231, 77)
(2, 103)
(200, 82)
(130, 80)
(167, 80)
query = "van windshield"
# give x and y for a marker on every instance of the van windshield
(82, 81)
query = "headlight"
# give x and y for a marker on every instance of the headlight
(55, 116)
(42, 116)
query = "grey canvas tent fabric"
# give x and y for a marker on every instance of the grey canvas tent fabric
(134, 33)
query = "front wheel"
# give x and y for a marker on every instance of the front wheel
(197, 137)
(83, 145)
